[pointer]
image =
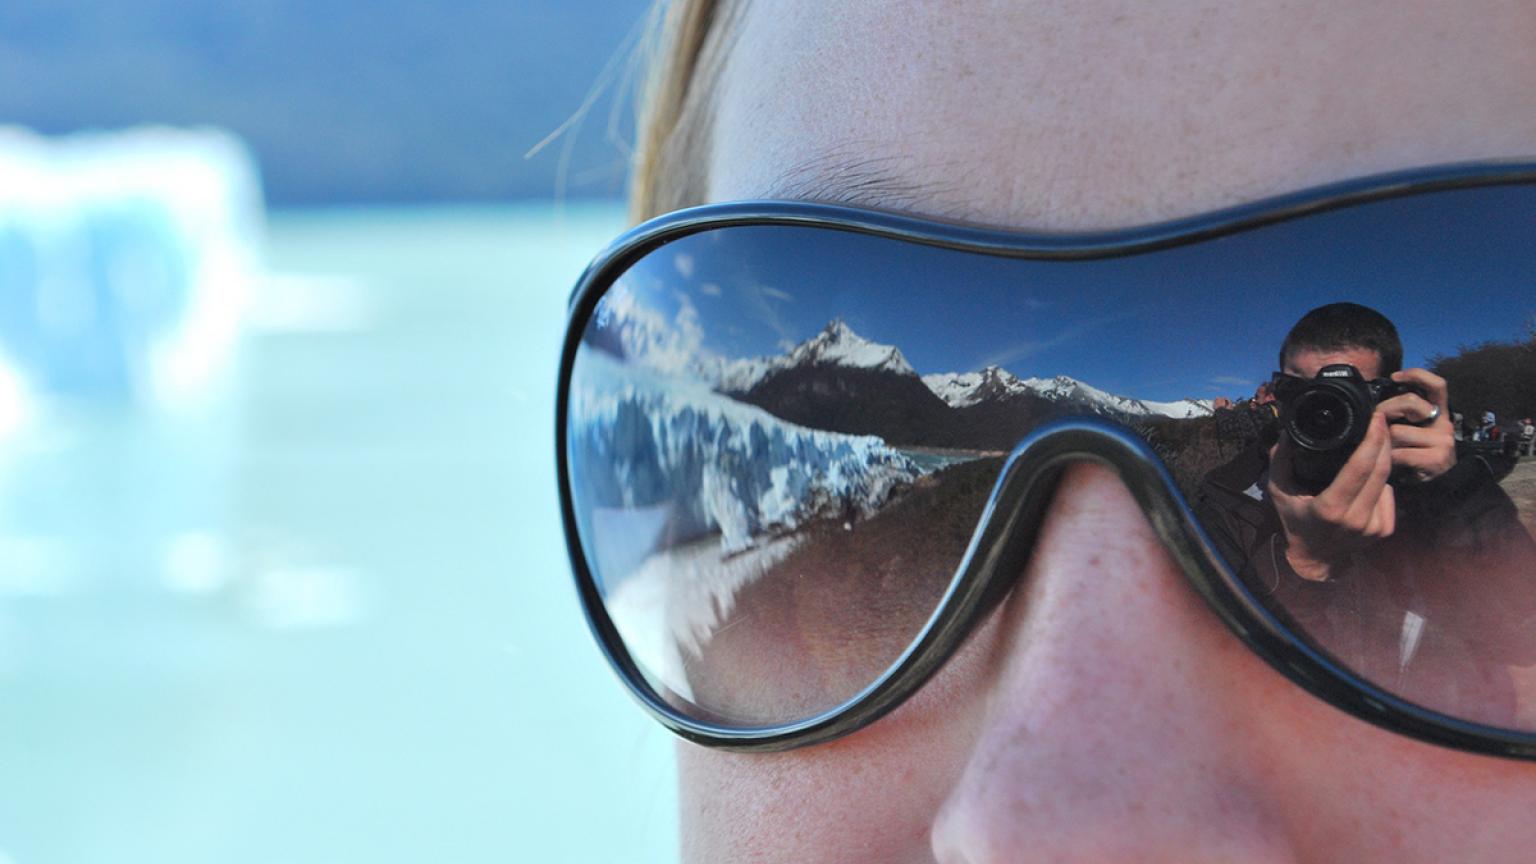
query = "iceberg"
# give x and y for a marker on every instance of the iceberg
(686, 496)
(125, 259)
(687, 462)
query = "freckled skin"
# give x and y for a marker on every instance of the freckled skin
(1104, 713)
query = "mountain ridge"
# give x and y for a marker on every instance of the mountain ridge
(838, 344)
(842, 381)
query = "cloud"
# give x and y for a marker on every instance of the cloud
(763, 303)
(1231, 381)
(1030, 347)
(682, 262)
(690, 331)
(648, 337)
(710, 288)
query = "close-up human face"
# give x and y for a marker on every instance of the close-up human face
(1103, 712)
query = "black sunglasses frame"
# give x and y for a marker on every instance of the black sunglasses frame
(1015, 510)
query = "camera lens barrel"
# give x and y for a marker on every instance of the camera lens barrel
(1326, 420)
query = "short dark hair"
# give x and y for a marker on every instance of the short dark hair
(1338, 326)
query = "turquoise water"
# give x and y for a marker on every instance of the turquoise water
(326, 615)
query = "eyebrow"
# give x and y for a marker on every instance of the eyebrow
(860, 181)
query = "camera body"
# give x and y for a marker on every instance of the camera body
(1326, 419)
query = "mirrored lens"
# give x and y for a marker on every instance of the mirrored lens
(780, 440)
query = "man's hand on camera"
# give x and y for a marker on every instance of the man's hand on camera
(1356, 510)
(1424, 450)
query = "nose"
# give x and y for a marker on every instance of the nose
(1124, 722)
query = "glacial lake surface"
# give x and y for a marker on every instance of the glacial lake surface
(325, 614)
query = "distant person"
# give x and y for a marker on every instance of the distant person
(1246, 419)
(1487, 432)
(1527, 437)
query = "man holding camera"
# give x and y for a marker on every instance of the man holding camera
(1407, 440)
(1408, 436)
(1432, 546)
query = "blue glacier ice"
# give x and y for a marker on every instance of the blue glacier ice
(665, 460)
(124, 258)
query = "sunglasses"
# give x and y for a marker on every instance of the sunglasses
(804, 450)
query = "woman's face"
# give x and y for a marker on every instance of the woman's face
(1104, 713)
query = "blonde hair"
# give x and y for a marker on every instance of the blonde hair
(685, 54)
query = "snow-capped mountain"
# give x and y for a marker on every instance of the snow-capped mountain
(1063, 388)
(840, 381)
(739, 376)
(993, 384)
(836, 345)
(712, 463)
(963, 389)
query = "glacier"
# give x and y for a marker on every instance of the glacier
(125, 258)
(684, 462)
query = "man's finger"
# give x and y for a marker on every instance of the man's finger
(1419, 437)
(1412, 408)
(1363, 507)
(1432, 462)
(1358, 473)
(1383, 519)
(1435, 389)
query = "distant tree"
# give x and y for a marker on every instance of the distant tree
(1492, 376)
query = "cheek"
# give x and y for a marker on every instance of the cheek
(1346, 791)
(1400, 800)
(869, 797)
(1340, 789)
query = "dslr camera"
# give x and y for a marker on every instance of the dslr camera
(1326, 418)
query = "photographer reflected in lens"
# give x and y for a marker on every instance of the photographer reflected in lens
(1353, 512)
(1354, 430)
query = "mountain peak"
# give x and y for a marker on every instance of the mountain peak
(838, 345)
(961, 389)
(837, 328)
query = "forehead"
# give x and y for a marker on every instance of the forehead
(1307, 362)
(1091, 115)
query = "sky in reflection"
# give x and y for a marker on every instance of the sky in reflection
(1450, 269)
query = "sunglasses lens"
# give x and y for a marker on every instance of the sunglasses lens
(759, 570)
(780, 440)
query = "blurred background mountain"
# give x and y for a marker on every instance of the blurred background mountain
(392, 101)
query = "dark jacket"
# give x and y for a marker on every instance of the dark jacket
(1435, 613)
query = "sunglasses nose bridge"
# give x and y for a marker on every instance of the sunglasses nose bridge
(1022, 498)
(1023, 493)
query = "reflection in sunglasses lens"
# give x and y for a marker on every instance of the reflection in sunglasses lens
(781, 440)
